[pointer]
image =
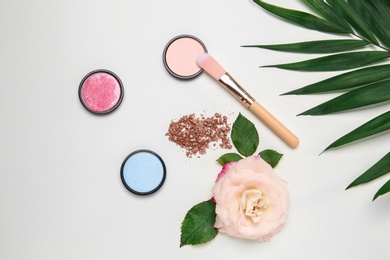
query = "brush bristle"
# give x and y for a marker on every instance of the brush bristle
(210, 65)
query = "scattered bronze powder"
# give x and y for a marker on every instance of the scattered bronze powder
(196, 134)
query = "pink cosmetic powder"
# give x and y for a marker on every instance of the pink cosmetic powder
(180, 56)
(101, 91)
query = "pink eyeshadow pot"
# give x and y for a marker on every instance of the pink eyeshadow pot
(180, 56)
(101, 91)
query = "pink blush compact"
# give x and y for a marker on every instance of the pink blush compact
(180, 56)
(101, 91)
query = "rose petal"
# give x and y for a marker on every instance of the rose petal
(254, 163)
(224, 170)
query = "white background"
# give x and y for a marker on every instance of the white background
(61, 196)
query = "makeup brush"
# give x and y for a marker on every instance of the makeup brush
(215, 70)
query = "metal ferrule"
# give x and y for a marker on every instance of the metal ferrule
(234, 88)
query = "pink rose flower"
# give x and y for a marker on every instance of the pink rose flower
(251, 200)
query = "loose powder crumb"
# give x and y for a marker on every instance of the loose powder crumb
(196, 134)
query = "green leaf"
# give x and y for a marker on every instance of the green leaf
(302, 19)
(244, 136)
(353, 18)
(324, 46)
(385, 7)
(377, 125)
(324, 10)
(198, 225)
(229, 157)
(379, 169)
(364, 96)
(383, 190)
(271, 157)
(342, 61)
(347, 80)
(372, 14)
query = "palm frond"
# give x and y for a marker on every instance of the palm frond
(358, 23)
(346, 81)
(368, 95)
(316, 47)
(379, 169)
(383, 190)
(375, 126)
(303, 19)
(336, 62)
(325, 11)
(375, 19)
(367, 22)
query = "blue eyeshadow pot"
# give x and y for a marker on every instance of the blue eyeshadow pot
(143, 172)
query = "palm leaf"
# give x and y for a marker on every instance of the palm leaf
(364, 20)
(336, 62)
(324, 10)
(364, 96)
(384, 5)
(379, 169)
(353, 18)
(374, 18)
(346, 81)
(383, 190)
(303, 19)
(374, 126)
(325, 46)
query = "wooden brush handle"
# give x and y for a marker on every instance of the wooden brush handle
(274, 124)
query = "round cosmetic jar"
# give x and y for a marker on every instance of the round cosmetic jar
(143, 172)
(101, 91)
(180, 56)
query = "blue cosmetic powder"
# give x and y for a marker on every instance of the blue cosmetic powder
(143, 172)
